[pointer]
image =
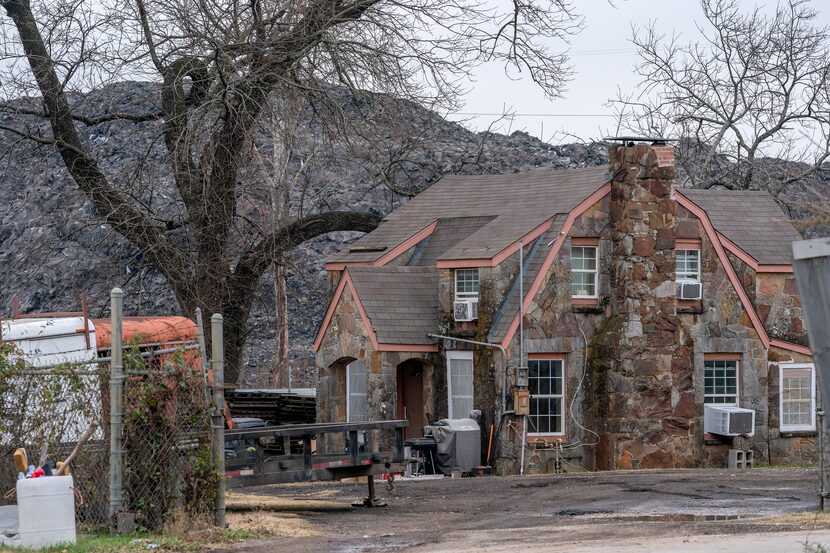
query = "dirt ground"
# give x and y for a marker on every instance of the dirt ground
(690, 511)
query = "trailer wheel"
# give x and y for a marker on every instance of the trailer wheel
(390, 483)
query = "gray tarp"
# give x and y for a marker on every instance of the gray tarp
(9, 525)
(458, 444)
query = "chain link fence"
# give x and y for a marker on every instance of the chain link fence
(166, 465)
(46, 410)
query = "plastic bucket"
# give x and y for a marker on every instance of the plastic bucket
(46, 509)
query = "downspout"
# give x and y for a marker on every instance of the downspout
(488, 345)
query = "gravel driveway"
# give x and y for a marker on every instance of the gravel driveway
(674, 510)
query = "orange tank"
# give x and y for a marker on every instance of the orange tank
(147, 330)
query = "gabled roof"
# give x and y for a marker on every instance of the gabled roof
(401, 302)
(750, 219)
(516, 203)
(447, 235)
(534, 264)
(474, 221)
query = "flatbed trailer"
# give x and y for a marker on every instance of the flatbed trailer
(296, 461)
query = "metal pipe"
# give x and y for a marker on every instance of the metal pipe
(485, 344)
(822, 492)
(524, 441)
(200, 326)
(116, 406)
(217, 362)
(522, 304)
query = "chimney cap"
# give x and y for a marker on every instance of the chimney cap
(631, 140)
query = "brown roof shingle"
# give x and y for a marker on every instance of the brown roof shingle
(516, 203)
(751, 219)
(401, 302)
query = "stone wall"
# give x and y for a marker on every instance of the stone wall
(639, 395)
(346, 340)
(779, 307)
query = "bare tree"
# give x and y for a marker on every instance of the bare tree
(754, 85)
(217, 64)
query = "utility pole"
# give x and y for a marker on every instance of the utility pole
(811, 262)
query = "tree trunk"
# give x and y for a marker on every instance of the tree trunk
(281, 378)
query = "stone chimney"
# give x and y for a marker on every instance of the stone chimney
(637, 353)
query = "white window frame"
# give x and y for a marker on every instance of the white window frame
(687, 276)
(466, 295)
(552, 396)
(595, 272)
(797, 427)
(458, 355)
(349, 391)
(737, 393)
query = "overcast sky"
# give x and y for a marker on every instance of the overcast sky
(603, 58)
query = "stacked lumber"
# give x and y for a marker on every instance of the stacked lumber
(275, 406)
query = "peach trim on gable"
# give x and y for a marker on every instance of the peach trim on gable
(406, 244)
(346, 280)
(415, 348)
(499, 257)
(391, 254)
(738, 252)
(775, 269)
(598, 194)
(789, 346)
(342, 265)
(730, 270)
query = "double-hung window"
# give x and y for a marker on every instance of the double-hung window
(720, 380)
(584, 274)
(798, 397)
(466, 284)
(688, 266)
(546, 384)
(356, 410)
(459, 383)
(687, 272)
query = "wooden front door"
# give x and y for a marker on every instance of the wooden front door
(411, 398)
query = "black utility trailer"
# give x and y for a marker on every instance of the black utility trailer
(281, 454)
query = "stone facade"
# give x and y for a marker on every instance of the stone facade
(634, 358)
(641, 394)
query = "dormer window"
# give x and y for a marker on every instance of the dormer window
(584, 273)
(465, 307)
(466, 284)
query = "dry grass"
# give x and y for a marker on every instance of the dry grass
(807, 519)
(270, 524)
(235, 502)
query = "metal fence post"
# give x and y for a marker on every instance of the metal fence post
(811, 262)
(116, 406)
(200, 324)
(218, 365)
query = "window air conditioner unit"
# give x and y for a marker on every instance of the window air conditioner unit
(728, 420)
(689, 290)
(465, 310)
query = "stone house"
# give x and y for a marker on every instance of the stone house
(637, 303)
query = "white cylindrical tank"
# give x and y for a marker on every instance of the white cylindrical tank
(46, 509)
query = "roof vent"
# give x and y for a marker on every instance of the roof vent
(367, 249)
